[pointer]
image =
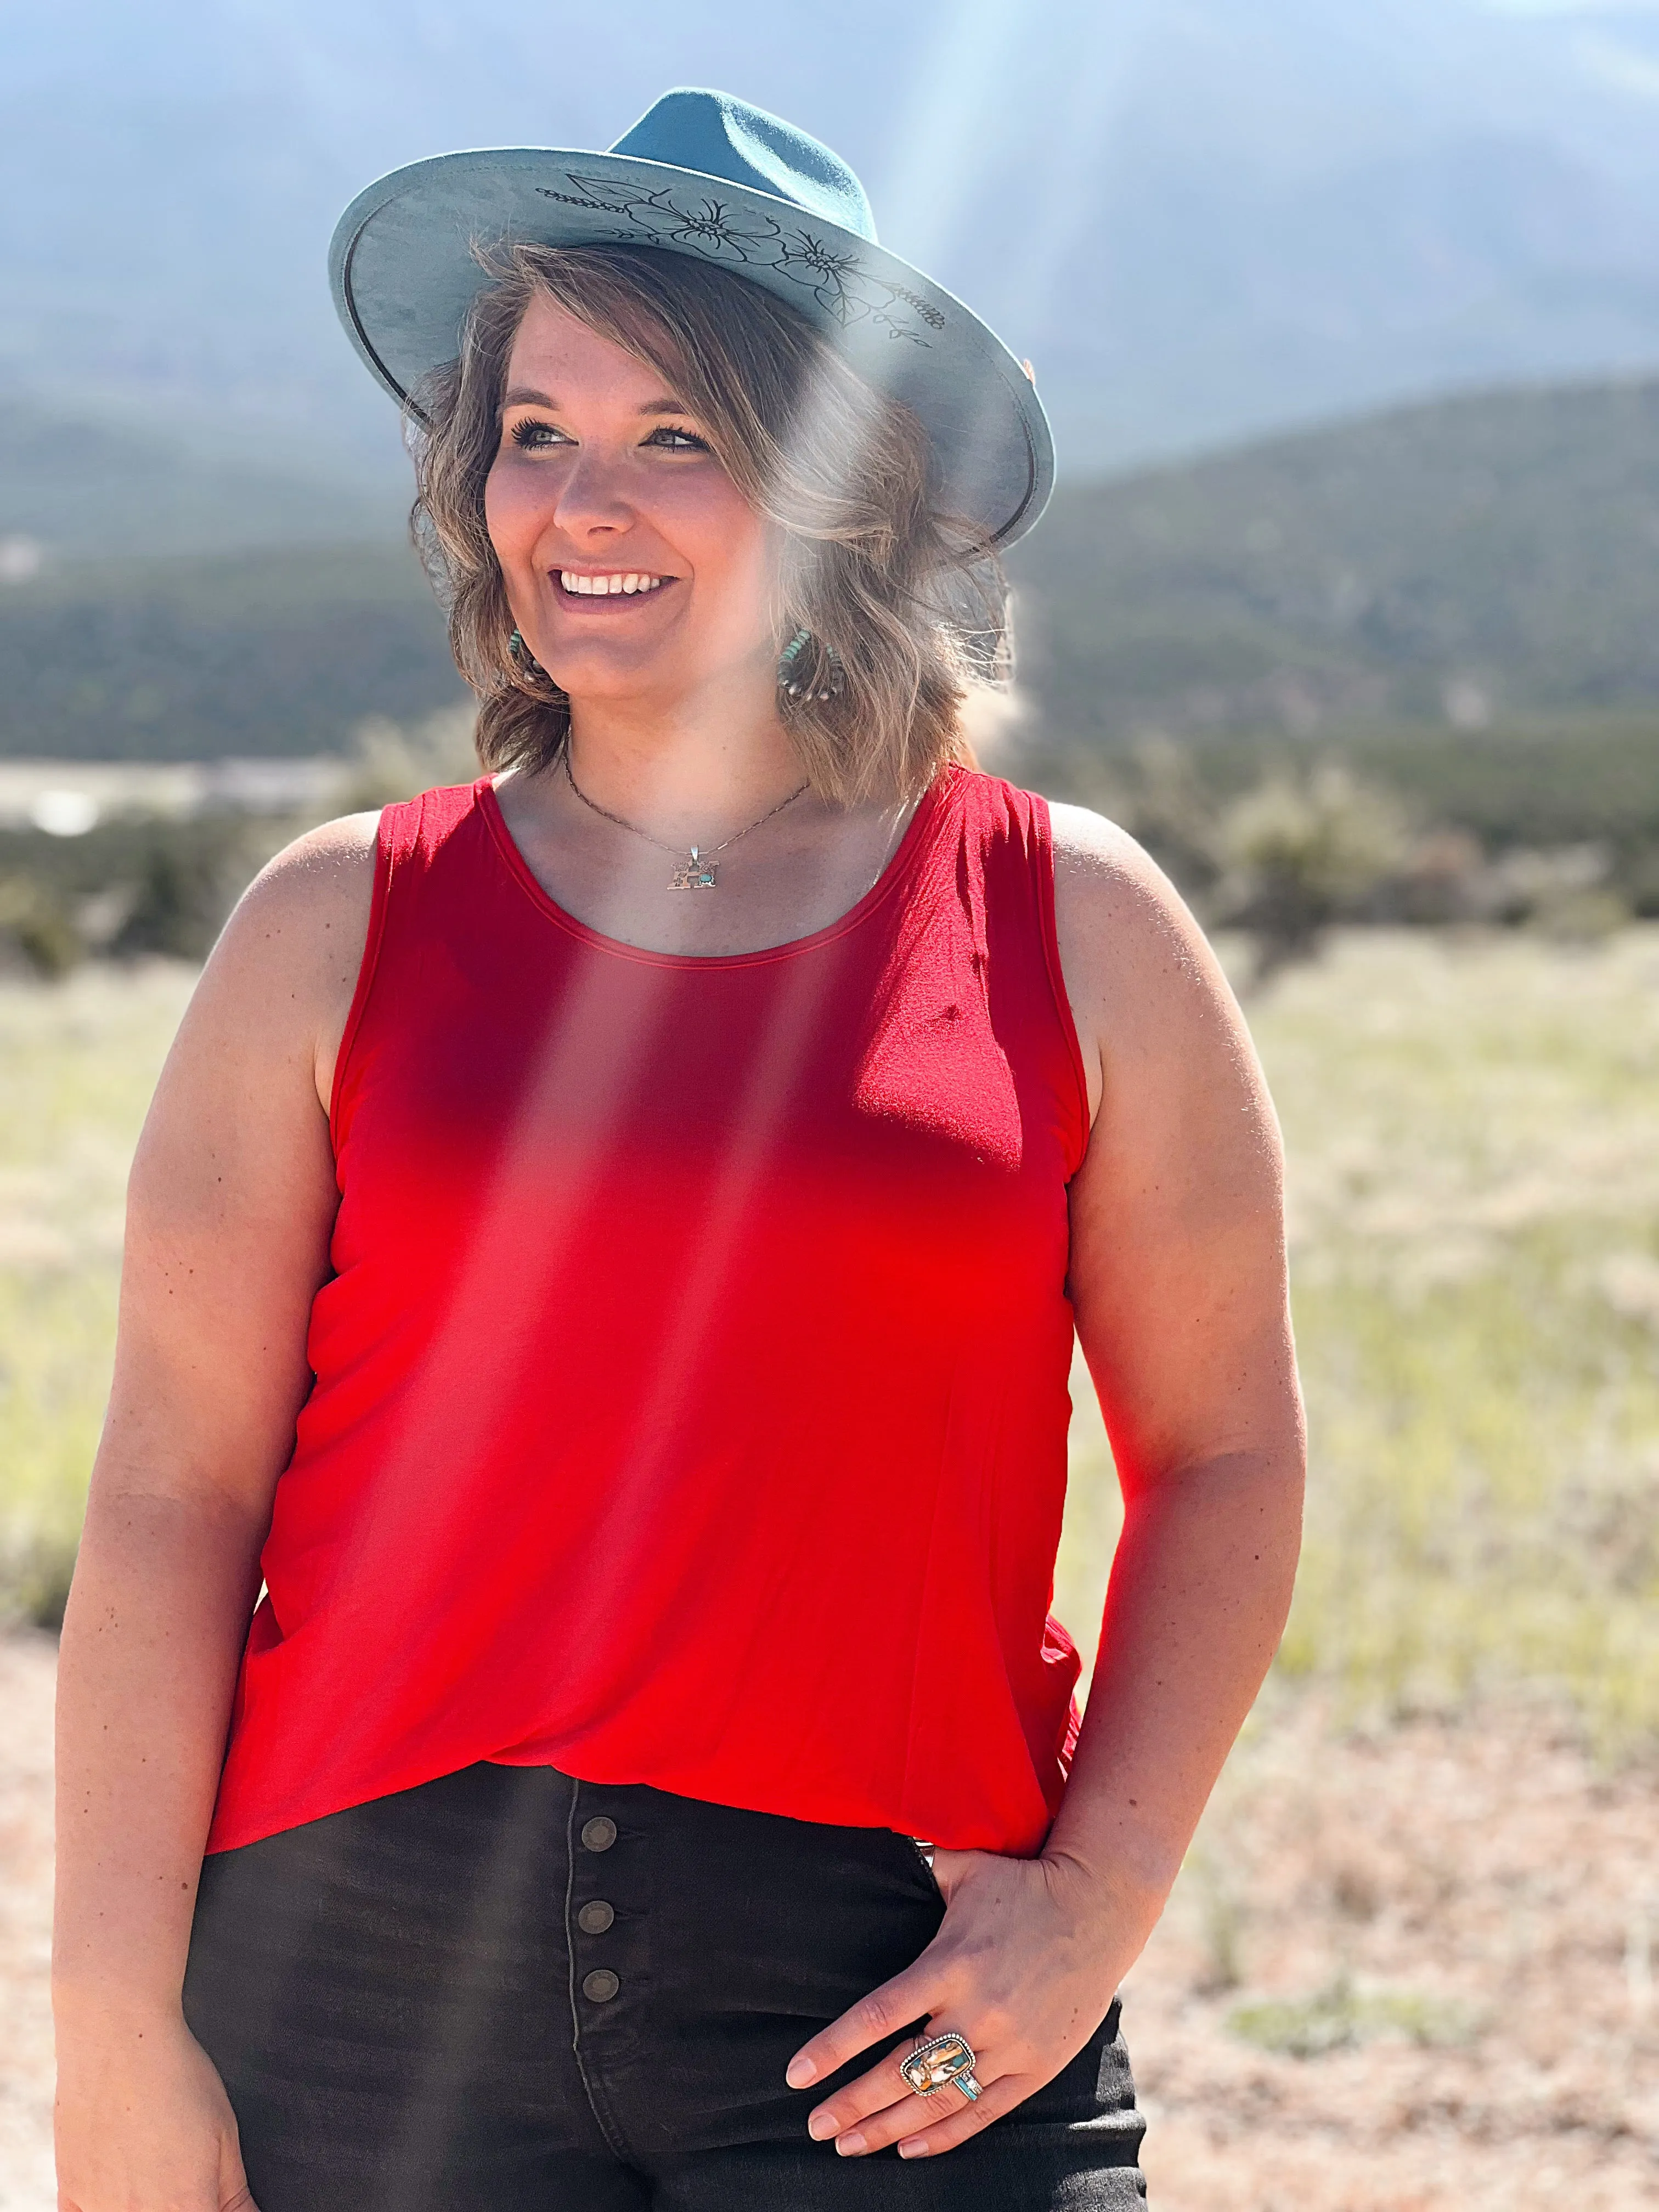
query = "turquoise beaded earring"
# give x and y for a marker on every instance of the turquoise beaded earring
(789, 679)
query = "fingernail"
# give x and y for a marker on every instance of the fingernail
(913, 2150)
(849, 2145)
(801, 2071)
(821, 2126)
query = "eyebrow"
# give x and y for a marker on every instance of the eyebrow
(522, 395)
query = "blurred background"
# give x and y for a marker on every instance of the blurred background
(1347, 315)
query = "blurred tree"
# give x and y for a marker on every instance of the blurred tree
(180, 902)
(1301, 852)
(37, 927)
(394, 760)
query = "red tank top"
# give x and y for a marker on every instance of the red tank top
(690, 1386)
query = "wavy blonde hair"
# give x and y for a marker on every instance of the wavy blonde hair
(909, 600)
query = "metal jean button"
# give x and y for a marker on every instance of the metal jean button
(599, 1833)
(601, 1986)
(595, 1918)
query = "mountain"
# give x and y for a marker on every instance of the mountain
(1463, 562)
(1202, 218)
(280, 651)
(1456, 598)
(97, 484)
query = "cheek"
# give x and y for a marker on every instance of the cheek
(514, 513)
(729, 544)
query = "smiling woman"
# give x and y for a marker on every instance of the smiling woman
(724, 404)
(623, 1315)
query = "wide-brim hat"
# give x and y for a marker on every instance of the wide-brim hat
(707, 176)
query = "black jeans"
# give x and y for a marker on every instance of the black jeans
(507, 1991)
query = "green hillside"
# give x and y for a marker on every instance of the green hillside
(1476, 561)
(1459, 601)
(260, 652)
(87, 486)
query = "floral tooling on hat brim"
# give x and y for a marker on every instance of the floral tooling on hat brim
(404, 272)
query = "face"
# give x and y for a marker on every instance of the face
(633, 564)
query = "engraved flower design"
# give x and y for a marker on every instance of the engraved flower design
(710, 225)
(712, 229)
(834, 276)
(830, 275)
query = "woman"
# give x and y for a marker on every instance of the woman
(606, 1249)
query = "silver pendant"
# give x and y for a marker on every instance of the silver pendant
(694, 875)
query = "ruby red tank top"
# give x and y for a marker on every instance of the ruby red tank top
(691, 1386)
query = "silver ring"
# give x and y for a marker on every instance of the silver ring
(943, 2061)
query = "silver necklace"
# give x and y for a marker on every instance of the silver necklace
(700, 870)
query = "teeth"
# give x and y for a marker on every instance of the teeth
(586, 587)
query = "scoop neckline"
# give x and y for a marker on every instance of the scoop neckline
(899, 865)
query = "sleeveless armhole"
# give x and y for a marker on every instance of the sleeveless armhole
(1044, 871)
(394, 839)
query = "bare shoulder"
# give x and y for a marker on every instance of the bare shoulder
(1109, 893)
(313, 898)
(280, 981)
(1140, 973)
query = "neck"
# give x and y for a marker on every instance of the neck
(688, 768)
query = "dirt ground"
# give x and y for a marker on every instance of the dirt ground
(1470, 1915)
(1404, 1973)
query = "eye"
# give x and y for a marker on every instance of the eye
(667, 438)
(531, 436)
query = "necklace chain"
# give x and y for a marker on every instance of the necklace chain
(702, 855)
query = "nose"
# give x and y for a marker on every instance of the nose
(591, 502)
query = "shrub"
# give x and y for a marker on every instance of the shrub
(1299, 853)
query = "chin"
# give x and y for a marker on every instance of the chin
(604, 666)
(617, 678)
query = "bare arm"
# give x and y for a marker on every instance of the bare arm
(230, 1208)
(1177, 1274)
(1178, 1283)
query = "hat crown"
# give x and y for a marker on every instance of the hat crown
(720, 136)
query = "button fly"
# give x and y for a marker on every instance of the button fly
(598, 1835)
(593, 1919)
(601, 1986)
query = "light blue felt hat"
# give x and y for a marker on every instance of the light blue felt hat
(706, 175)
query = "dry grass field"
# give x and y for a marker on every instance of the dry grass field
(78, 1061)
(1410, 1966)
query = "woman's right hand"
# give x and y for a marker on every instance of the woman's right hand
(142, 2123)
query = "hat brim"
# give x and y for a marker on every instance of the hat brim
(404, 274)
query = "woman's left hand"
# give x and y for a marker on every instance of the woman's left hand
(1024, 1965)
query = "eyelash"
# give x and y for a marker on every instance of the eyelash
(528, 436)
